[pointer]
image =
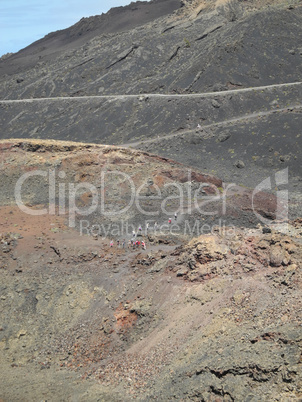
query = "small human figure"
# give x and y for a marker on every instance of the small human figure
(133, 233)
(198, 126)
(143, 245)
(118, 244)
(170, 221)
(155, 226)
(124, 243)
(175, 216)
(140, 229)
(111, 243)
(147, 227)
(130, 243)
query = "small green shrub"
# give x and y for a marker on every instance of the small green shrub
(187, 43)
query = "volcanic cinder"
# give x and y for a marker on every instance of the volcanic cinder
(182, 118)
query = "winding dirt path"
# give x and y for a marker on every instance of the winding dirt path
(198, 95)
(171, 96)
(218, 124)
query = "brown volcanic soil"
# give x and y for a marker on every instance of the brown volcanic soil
(128, 186)
(214, 318)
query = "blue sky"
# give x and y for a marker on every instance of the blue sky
(25, 21)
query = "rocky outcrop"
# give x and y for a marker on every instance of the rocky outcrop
(233, 253)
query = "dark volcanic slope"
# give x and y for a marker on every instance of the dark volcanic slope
(244, 152)
(199, 47)
(116, 20)
(216, 50)
(260, 128)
